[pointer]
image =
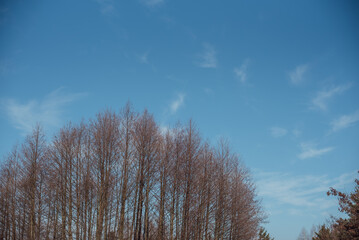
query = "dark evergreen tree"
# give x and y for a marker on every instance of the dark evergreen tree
(264, 235)
(324, 233)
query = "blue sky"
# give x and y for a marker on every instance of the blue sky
(279, 79)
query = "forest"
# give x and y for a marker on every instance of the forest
(120, 176)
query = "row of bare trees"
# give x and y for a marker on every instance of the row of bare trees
(120, 177)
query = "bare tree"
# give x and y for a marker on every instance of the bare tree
(146, 140)
(32, 182)
(105, 154)
(119, 177)
(127, 122)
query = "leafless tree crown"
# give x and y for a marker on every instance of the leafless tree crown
(119, 176)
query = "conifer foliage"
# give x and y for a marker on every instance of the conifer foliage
(118, 176)
(264, 235)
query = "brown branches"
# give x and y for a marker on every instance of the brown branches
(119, 177)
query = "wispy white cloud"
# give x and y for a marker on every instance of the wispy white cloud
(152, 3)
(296, 132)
(208, 91)
(4, 66)
(177, 103)
(4, 9)
(309, 150)
(47, 112)
(106, 6)
(208, 57)
(296, 212)
(241, 72)
(345, 121)
(278, 132)
(143, 58)
(297, 75)
(322, 97)
(306, 191)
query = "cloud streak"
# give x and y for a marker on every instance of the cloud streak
(106, 7)
(300, 191)
(208, 57)
(277, 132)
(152, 3)
(144, 58)
(296, 132)
(297, 75)
(310, 151)
(321, 100)
(177, 103)
(24, 116)
(345, 121)
(241, 72)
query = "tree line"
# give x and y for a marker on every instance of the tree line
(342, 228)
(118, 176)
(339, 228)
